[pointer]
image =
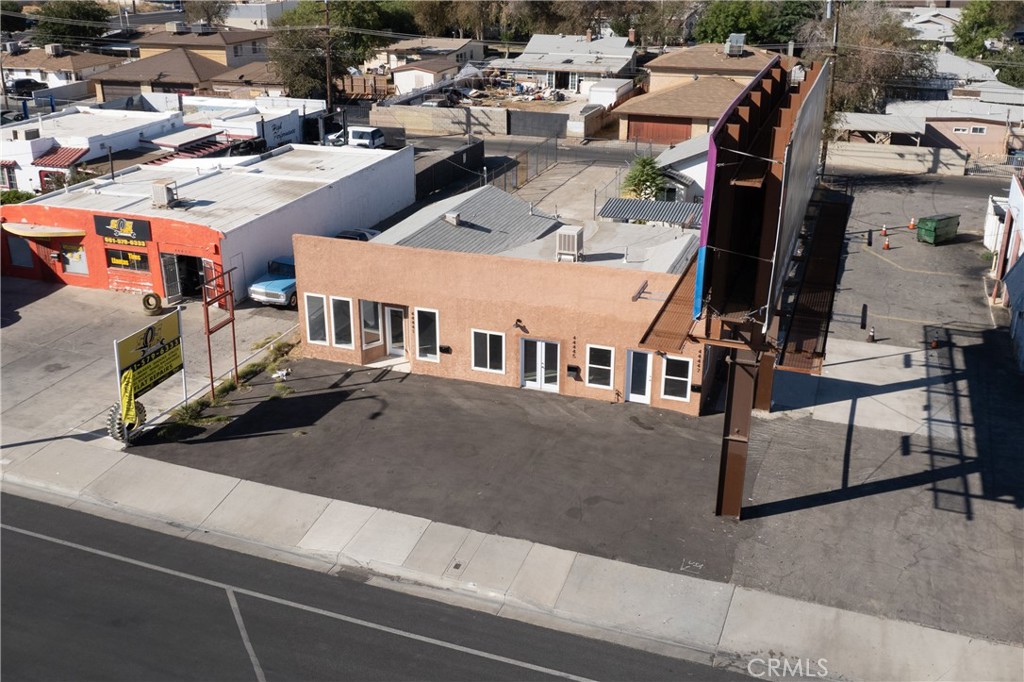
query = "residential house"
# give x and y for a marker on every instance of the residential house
(55, 66)
(257, 16)
(570, 62)
(951, 72)
(419, 74)
(230, 48)
(402, 52)
(675, 114)
(981, 128)
(178, 70)
(991, 91)
(685, 168)
(254, 79)
(159, 228)
(705, 59)
(933, 24)
(482, 287)
(38, 154)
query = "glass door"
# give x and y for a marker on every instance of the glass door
(395, 319)
(172, 283)
(539, 365)
(638, 378)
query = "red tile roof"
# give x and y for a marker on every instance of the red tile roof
(60, 157)
(7, 163)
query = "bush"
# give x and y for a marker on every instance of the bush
(15, 196)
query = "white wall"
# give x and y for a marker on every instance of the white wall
(359, 200)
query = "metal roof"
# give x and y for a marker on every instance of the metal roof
(672, 212)
(882, 123)
(490, 221)
(957, 110)
(60, 157)
(571, 53)
(225, 193)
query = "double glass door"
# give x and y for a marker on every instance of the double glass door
(540, 365)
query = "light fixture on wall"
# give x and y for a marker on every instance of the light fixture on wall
(518, 324)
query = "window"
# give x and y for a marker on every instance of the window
(10, 178)
(127, 260)
(426, 335)
(316, 319)
(341, 322)
(675, 380)
(600, 363)
(237, 50)
(978, 130)
(256, 47)
(369, 315)
(488, 351)
(73, 256)
(21, 252)
(958, 129)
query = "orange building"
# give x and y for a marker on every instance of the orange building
(482, 287)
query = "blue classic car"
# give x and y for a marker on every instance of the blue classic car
(277, 287)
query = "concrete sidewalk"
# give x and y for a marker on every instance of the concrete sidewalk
(702, 620)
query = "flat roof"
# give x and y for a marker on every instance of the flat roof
(623, 245)
(221, 197)
(83, 122)
(881, 123)
(185, 136)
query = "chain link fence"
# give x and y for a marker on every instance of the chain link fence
(526, 165)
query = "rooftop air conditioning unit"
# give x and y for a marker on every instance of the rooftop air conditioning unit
(165, 193)
(12, 47)
(569, 244)
(54, 49)
(32, 134)
(734, 45)
(201, 28)
(452, 218)
(176, 27)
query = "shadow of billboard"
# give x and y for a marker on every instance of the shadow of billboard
(971, 426)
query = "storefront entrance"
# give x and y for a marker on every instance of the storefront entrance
(182, 275)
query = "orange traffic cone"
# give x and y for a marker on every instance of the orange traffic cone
(913, 224)
(884, 231)
(885, 246)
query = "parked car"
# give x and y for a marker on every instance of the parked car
(277, 287)
(437, 103)
(361, 234)
(24, 87)
(358, 136)
(11, 117)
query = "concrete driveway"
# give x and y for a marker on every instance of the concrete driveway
(58, 370)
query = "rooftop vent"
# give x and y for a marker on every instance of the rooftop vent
(452, 218)
(165, 193)
(54, 49)
(734, 45)
(176, 27)
(797, 75)
(201, 28)
(569, 244)
(32, 134)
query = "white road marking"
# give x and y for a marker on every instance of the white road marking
(302, 607)
(245, 637)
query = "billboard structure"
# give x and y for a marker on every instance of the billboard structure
(762, 249)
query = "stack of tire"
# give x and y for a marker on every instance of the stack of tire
(123, 431)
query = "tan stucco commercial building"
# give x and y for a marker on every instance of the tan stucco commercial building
(470, 288)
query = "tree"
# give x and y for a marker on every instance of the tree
(775, 22)
(299, 44)
(13, 24)
(211, 11)
(72, 22)
(15, 196)
(643, 181)
(876, 58)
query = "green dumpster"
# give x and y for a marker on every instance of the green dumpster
(935, 229)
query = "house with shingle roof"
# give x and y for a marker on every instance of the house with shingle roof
(250, 80)
(706, 59)
(57, 66)
(402, 52)
(677, 113)
(420, 74)
(230, 48)
(177, 70)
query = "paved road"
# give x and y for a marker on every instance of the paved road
(86, 598)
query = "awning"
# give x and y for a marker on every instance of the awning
(60, 157)
(41, 231)
(673, 212)
(6, 163)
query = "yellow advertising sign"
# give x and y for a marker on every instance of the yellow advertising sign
(128, 398)
(149, 356)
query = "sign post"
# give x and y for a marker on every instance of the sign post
(146, 359)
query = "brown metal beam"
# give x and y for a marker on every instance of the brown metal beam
(736, 433)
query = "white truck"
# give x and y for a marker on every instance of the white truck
(358, 136)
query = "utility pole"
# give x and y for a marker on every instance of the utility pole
(831, 11)
(327, 21)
